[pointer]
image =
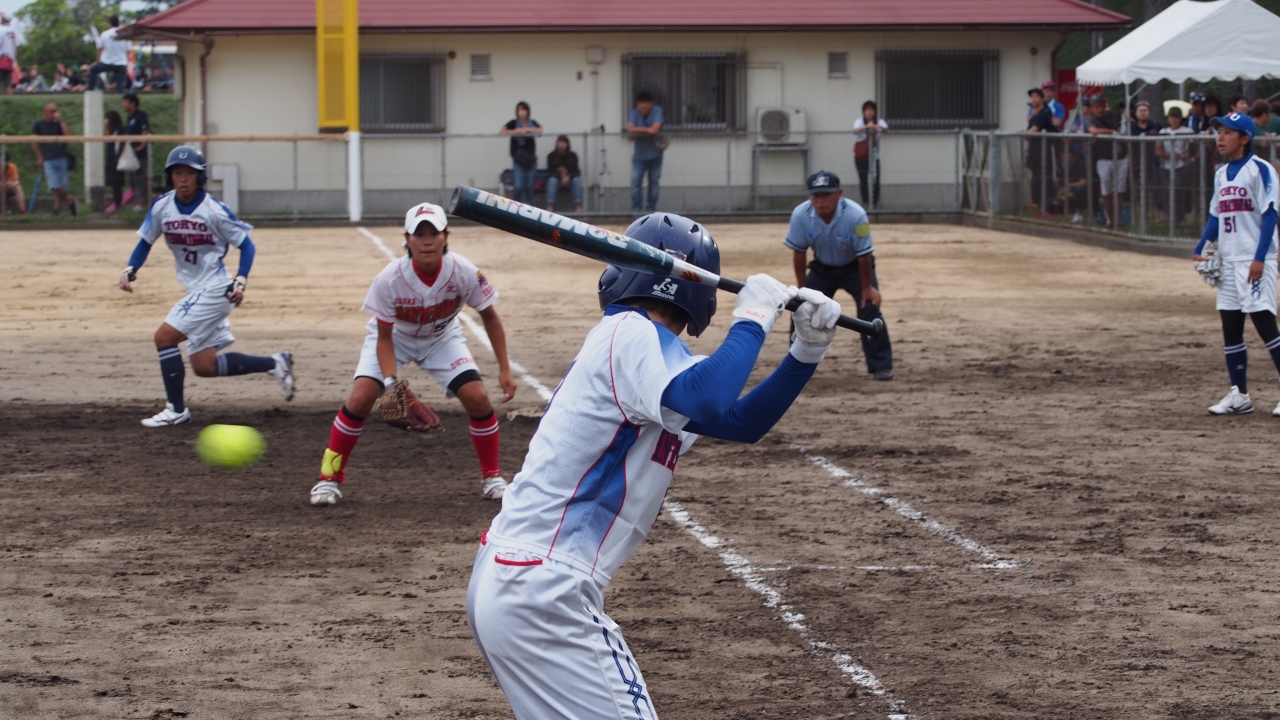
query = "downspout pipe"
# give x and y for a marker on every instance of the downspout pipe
(207, 41)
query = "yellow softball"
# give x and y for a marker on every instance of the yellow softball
(230, 446)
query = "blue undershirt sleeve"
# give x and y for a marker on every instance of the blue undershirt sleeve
(1210, 233)
(758, 411)
(247, 252)
(139, 255)
(1268, 233)
(707, 390)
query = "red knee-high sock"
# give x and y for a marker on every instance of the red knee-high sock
(343, 437)
(484, 435)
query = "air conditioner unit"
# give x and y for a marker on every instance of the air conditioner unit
(780, 126)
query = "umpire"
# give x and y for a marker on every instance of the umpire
(840, 234)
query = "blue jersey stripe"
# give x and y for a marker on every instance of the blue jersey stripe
(598, 499)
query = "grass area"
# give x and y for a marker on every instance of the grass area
(19, 112)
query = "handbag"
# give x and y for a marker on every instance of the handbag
(128, 160)
(862, 150)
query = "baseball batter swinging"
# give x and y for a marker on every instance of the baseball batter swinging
(199, 230)
(598, 469)
(415, 302)
(1242, 221)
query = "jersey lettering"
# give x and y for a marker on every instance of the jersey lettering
(1235, 205)
(668, 450)
(423, 315)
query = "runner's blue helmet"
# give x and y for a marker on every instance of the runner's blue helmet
(681, 238)
(189, 156)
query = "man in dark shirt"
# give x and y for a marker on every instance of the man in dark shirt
(54, 157)
(138, 124)
(1110, 159)
(1040, 151)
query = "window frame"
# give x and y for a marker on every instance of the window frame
(990, 88)
(735, 102)
(488, 61)
(436, 66)
(832, 55)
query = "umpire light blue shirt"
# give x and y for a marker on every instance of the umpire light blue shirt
(845, 239)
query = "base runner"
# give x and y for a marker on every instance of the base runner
(199, 230)
(598, 469)
(1242, 221)
(415, 303)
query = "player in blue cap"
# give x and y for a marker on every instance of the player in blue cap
(1242, 224)
(600, 463)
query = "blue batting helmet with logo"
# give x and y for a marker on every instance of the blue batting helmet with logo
(189, 156)
(684, 239)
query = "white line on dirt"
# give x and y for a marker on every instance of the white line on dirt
(476, 329)
(993, 559)
(750, 576)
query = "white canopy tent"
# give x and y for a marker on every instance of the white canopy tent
(1225, 39)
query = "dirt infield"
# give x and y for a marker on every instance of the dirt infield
(1036, 519)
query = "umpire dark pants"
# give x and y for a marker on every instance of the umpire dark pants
(826, 279)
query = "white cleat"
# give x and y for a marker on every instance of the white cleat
(1235, 403)
(283, 373)
(1276, 412)
(493, 487)
(325, 492)
(168, 416)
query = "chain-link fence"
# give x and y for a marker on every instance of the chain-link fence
(1154, 187)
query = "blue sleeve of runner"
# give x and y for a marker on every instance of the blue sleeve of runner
(758, 411)
(139, 255)
(1210, 233)
(1268, 233)
(707, 390)
(246, 257)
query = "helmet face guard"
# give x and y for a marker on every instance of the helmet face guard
(683, 238)
(188, 156)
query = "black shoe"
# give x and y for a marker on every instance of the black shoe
(74, 210)
(884, 374)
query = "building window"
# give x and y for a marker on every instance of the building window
(480, 67)
(402, 93)
(938, 88)
(697, 91)
(838, 65)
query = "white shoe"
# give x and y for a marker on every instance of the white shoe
(283, 373)
(1276, 412)
(492, 488)
(168, 416)
(1235, 403)
(325, 492)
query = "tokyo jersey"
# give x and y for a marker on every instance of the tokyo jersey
(1239, 204)
(199, 239)
(399, 296)
(599, 465)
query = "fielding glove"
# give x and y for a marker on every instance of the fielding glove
(400, 407)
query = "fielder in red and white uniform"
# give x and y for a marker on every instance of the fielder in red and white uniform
(415, 303)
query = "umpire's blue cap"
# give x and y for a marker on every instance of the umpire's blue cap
(823, 182)
(1236, 121)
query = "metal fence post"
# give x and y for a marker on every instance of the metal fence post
(1142, 188)
(993, 174)
(1173, 206)
(444, 167)
(728, 171)
(355, 178)
(1204, 197)
(959, 155)
(295, 180)
(1044, 178)
(1088, 183)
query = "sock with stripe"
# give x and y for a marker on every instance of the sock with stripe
(174, 373)
(343, 437)
(1234, 348)
(233, 363)
(484, 435)
(1265, 323)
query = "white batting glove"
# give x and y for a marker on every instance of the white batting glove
(815, 323)
(761, 301)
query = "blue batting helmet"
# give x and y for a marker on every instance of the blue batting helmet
(189, 156)
(684, 239)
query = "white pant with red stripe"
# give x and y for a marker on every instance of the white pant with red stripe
(541, 627)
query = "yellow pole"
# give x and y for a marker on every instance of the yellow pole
(338, 64)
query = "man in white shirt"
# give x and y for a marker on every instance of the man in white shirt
(113, 57)
(8, 53)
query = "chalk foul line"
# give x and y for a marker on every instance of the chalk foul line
(992, 559)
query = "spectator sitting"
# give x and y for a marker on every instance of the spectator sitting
(562, 164)
(8, 53)
(12, 186)
(524, 151)
(34, 81)
(1238, 103)
(1261, 114)
(60, 82)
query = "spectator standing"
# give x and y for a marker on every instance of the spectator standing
(644, 127)
(1040, 152)
(839, 232)
(12, 185)
(138, 124)
(562, 169)
(1260, 111)
(8, 53)
(523, 130)
(113, 57)
(1142, 155)
(54, 157)
(1109, 160)
(1050, 91)
(1196, 120)
(1238, 103)
(1175, 155)
(114, 179)
(866, 152)
(1273, 127)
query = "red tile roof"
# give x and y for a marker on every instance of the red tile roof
(273, 16)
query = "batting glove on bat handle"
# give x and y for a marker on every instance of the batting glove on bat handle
(761, 301)
(870, 329)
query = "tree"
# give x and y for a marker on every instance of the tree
(57, 31)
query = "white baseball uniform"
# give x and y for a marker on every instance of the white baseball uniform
(591, 488)
(423, 313)
(1239, 203)
(199, 240)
